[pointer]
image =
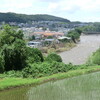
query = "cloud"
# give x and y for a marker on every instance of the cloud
(53, 6)
(71, 9)
(69, 6)
(16, 4)
(48, 0)
(75, 5)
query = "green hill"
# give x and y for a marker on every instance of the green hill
(23, 18)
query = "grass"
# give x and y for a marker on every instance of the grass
(59, 48)
(83, 87)
(6, 83)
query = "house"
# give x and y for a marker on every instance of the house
(64, 37)
(49, 41)
(34, 44)
(48, 33)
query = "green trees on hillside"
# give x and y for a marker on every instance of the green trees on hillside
(23, 18)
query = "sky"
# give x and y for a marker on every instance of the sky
(74, 10)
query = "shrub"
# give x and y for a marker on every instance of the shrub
(50, 50)
(44, 69)
(53, 57)
(37, 70)
(34, 55)
(13, 73)
(96, 57)
(44, 49)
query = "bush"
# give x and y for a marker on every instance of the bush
(13, 74)
(50, 50)
(95, 59)
(44, 69)
(34, 55)
(53, 57)
(44, 49)
(37, 70)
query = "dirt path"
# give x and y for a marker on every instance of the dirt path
(79, 54)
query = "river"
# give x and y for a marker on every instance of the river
(79, 54)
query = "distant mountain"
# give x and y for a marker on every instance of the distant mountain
(23, 18)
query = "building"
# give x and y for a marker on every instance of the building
(48, 33)
(34, 44)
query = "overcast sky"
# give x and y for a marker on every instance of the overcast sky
(74, 10)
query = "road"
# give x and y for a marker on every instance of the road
(79, 54)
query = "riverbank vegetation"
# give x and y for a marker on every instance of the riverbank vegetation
(94, 59)
(58, 47)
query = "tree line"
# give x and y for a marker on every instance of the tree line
(23, 18)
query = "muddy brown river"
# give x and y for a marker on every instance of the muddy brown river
(79, 54)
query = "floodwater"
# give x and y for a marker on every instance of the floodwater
(84, 87)
(79, 54)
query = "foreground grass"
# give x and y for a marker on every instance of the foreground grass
(6, 83)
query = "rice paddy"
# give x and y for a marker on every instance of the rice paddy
(83, 87)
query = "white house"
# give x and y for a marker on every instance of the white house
(34, 44)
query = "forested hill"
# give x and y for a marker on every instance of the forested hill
(23, 18)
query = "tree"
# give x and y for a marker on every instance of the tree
(50, 37)
(34, 55)
(12, 49)
(32, 38)
(44, 28)
(74, 34)
(79, 30)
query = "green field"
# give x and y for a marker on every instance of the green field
(83, 87)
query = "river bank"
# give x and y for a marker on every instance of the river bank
(8, 83)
